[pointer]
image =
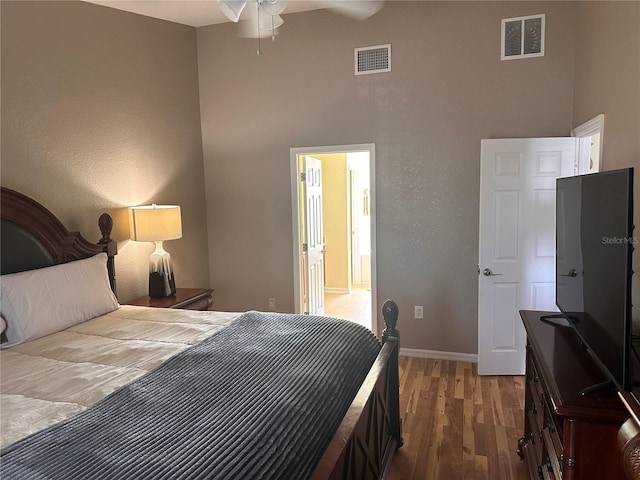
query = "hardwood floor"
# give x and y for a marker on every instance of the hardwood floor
(458, 425)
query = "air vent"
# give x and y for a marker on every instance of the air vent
(522, 37)
(372, 59)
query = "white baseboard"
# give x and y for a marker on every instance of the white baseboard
(336, 290)
(439, 355)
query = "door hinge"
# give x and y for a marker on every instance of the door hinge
(303, 176)
(305, 247)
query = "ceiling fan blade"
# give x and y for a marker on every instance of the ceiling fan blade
(273, 7)
(356, 9)
(232, 8)
(270, 22)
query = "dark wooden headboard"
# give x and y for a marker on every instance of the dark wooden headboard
(32, 237)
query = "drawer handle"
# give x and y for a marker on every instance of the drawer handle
(555, 464)
(551, 426)
(537, 400)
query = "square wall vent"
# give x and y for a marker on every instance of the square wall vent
(522, 37)
(372, 59)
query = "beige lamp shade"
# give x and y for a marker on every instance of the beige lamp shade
(151, 223)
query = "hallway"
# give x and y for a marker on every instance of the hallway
(354, 306)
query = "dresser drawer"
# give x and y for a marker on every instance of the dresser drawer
(554, 456)
(545, 442)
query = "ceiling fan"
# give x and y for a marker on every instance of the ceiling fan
(264, 15)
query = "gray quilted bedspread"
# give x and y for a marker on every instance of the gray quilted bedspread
(259, 399)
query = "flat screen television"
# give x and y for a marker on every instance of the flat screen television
(594, 245)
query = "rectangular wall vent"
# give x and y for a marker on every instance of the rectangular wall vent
(522, 37)
(372, 59)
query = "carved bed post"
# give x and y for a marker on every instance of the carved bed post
(391, 334)
(390, 314)
(105, 222)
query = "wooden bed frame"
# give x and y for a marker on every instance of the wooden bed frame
(44, 240)
(369, 434)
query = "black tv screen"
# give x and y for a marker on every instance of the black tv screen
(594, 245)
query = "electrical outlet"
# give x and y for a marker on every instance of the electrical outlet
(271, 304)
(417, 311)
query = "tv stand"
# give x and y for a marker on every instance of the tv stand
(556, 319)
(606, 385)
(567, 435)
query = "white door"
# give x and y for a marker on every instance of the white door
(517, 242)
(354, 217)
(314, 232)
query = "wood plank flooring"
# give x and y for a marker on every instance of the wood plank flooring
(458, 425)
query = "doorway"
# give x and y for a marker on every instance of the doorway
(348, 232)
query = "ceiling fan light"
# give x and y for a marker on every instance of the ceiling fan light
(232, 8)
(270, 22)
(273, 7)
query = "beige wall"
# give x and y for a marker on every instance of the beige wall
(336, 221)
(607, 80)
(100, 111)
(447, 90)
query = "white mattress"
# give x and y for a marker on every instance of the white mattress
(51, 378)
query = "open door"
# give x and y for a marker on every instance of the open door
(517, 242)
(313, 246)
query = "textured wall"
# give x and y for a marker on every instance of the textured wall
(607, 80)
(447, 90)
(100, 111)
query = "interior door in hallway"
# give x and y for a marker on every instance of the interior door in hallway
(314, 242)
(517, 242)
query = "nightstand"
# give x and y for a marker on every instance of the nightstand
(187, 298)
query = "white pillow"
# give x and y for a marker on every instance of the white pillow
(44, 301)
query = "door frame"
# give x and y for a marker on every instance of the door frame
(295, 217)
(595, 126)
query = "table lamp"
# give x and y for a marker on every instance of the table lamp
(157, 223)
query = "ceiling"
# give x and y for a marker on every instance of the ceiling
(196, 13)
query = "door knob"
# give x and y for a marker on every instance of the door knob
(488, 273)
(571, 273)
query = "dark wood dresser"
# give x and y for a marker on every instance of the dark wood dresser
(567, 435)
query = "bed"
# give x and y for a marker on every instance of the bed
(94, 389)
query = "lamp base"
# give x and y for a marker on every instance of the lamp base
(161, 285)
